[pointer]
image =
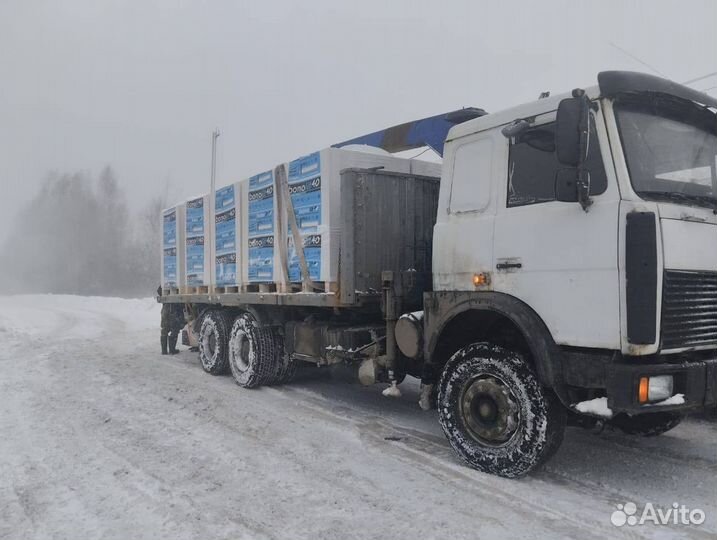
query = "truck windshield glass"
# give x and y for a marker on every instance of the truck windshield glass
(671, 149)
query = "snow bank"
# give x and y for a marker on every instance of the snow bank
(597, 407)
(417, 315)
(68, 316)
(677, 399)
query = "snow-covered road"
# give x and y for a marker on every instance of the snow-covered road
(102, 437)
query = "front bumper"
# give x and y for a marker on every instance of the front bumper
(697, 380)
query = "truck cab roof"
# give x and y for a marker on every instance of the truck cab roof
(610, 83)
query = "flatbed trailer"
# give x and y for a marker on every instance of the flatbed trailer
(387, 221)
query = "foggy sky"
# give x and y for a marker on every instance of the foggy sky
(140, 85)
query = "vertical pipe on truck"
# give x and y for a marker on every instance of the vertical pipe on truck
(391, 309)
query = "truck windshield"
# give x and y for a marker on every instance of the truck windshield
(671, 149)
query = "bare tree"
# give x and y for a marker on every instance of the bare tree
(77, 236)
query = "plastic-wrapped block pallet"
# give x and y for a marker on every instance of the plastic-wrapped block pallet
(425, 168)
(173, 220)
(197, 243)
(227, 250)
(314, 185)
(260, 226)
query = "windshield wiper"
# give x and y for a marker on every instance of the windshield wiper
(682, 197)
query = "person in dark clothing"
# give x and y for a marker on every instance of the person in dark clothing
(171, 326)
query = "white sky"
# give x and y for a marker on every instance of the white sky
(141, 84)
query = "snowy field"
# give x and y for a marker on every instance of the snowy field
(102, 437)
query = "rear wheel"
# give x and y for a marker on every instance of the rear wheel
(285, 367)
(252, 352)
(647, 425)
(213, 342)
(495, 413)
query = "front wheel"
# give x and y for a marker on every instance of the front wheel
(495, 413)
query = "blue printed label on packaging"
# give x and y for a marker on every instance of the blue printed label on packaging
(261, 204)
(225, 199)
(169, 229)
(260, 234)
(261, 259)
(312, 253)
(305, 192)
(170, 268)
(226, 269)
(226, 232)
(195, 261)
(195, 217)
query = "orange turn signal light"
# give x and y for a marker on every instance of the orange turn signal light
(643, 389)
(481, 279)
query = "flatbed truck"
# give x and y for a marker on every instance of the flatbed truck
(562, 270)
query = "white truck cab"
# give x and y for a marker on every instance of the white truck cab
(499, 216)
(583, 228)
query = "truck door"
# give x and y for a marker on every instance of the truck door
(555, 257)
(463, 235)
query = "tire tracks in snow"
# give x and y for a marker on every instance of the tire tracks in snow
(187, 455)
(426, 448)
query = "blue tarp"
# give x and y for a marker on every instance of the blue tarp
(430, 132)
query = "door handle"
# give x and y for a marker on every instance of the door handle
(508, 265)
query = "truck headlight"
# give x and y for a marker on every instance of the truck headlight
(655, 388)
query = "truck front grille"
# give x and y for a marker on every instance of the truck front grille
(689, 309)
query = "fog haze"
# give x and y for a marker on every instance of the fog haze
(140, 86)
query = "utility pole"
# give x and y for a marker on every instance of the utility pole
(215, 136)
(213, 202)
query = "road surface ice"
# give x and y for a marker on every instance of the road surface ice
(102, 437)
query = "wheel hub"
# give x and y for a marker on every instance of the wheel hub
(489, 411)
(243, 348)
(209, 342)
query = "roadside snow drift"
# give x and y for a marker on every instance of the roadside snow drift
(103, 437)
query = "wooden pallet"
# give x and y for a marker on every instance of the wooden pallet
(331, 287)
(227, 289)
(259, 287)
(288, 288)
(201, 289)
(322, 287)
(327, 287)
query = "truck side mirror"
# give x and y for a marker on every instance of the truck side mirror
(572, 139)
(567, 131)
(566, 185)
(573, 185)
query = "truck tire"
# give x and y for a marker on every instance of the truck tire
(495, 413)
(213, 342)
(285, 367)
(647, 425)
(252, 352)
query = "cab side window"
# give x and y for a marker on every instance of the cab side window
(533, 164)
(470, 188)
